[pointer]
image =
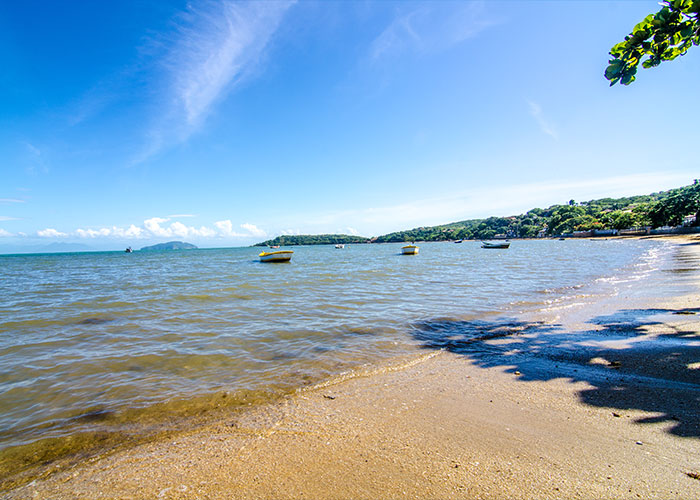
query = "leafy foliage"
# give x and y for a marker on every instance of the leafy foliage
(666, 208)
(657, 209)
(659, 37)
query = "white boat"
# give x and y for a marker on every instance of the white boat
(340, 245)
(279, 256)
(409, 250)
(490, 244)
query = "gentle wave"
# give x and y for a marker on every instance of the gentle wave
(97, 342)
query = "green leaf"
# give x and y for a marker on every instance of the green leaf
(614, 69)
(645, 24)
(663, 15)
(618, 49)
(659, 37)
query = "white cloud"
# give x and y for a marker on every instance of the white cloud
(225, 228)
(5, 233)
(153, 226)
(51, 233)
(218, 45)
(432, 27)
(11, 200)
(36, 161)
(92, 233)
(32, 149)
(178, 229)
(156, 227)
(5, 217)
(352, 231)
(396, 37)
(131, 232)
(253, 230)
(290, 232)
(183, 231)
(538, 115)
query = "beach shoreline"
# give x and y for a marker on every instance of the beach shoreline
(596, 403)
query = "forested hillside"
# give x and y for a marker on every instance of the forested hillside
(313, 239)
(666, 208)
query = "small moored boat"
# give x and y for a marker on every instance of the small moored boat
(409, 250)
(340, 245)
(490, 244)
(279, 256)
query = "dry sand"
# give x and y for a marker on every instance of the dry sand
(568, 408)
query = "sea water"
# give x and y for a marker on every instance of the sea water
(116, 344)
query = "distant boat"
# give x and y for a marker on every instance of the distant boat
(409, 250)
(279, 256)
(340, 245)
(274, 246)
(128, 250)
(488, 244)
(458, 241)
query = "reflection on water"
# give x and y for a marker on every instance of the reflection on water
(94, 342)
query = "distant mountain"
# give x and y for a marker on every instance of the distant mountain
(314, 239)
(170, 245)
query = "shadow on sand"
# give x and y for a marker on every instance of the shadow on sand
(657, 373)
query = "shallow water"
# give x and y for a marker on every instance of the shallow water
(105, 341)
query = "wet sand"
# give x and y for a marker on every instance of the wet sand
(597, 402)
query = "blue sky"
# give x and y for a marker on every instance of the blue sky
(225, 123)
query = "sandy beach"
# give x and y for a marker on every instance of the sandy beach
(598, 401)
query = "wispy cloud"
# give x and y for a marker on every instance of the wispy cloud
(544, 124)
(36, 160)
(218, 45)
(10, 200)
(4, 233)
(431, 27)
(5, 218)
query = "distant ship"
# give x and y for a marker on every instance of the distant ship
(128, 250)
